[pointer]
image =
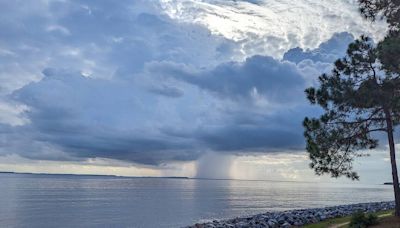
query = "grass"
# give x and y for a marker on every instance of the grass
(343, 221)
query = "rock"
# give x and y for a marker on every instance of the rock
(296, 217)
(281, 220)
(241, 225)
(272, 223)
(297, 223)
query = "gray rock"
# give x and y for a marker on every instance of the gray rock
(296, 217)
(272, 223)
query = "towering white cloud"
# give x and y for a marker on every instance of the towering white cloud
(272, 27)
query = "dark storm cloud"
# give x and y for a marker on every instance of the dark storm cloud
(88, 117)
(252, 139)
(257, 76)
(249, 132)
(96, 118)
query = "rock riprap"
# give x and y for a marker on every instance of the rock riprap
(295, 218)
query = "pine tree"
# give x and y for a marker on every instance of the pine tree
(360, 97)
(388, 10)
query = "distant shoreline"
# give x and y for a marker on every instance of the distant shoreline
(155, 177)
(91, 175)
(145, 177)
(161, 177)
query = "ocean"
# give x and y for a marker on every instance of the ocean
(28, 200)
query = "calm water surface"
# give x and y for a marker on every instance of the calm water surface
(85, 201)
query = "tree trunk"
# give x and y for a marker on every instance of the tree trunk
(395, 177)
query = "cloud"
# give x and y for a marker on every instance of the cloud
(257, 76)
(272, 27)
(97, 38)
(242, 139)
(89, 117)
(327, 52)
(138, 81)
(261, 104)
(12, 114)
(119, 119)
(314, 62)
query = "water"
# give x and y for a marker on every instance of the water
(88, 201)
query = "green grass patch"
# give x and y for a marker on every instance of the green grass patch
(341, 220)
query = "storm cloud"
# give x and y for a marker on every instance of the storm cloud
(257, 76)
(133, 81)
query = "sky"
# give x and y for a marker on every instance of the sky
(197, 88)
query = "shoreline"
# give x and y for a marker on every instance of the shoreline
(296, 218)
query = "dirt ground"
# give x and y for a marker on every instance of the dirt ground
(389, 222)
